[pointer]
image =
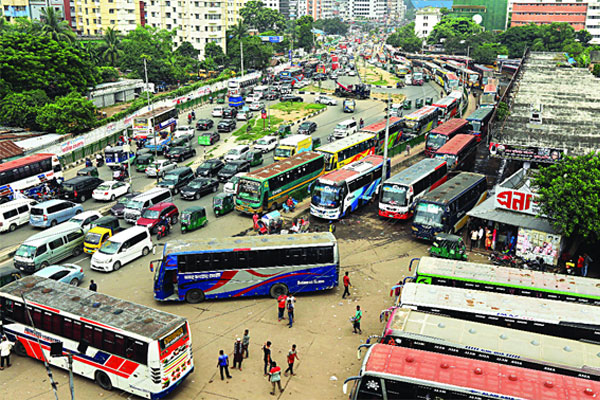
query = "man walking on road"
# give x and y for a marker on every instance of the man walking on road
(93, 286)
(246, 342)
(223, 364)
(238, 354)
(357, 319)
(480, 233)
(267, 356)
(5, 348)
(275, 377)
(346, 280)
(292, 355)
(281, 300)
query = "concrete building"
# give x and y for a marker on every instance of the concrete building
(491, 15)
(92, 18)
(525, 12)
(365, 9)
(426, 18)
(32, 9)
(107, 94)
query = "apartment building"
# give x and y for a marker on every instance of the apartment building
(93, 17)
(426, 18)
(32, 9)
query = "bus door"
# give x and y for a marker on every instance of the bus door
(165, 279)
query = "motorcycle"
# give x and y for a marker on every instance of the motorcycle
(99, 161)
(506, 259)
(120, 175)
(163, 230)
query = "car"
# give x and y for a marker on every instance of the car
(322, 99)
(71, 274)
(232, 168)
(210, 168)
(184, 132)
(180, 153)
(52, 212)
(230, 113)
(118, 209)
(271, 95)
(237, 153)
(257, 105)
(152, 216)
(291, 98)
(84, 220)
(217, 111)
(285, 89)
(266, 144)
(159, 168)
(110, 190)
(178, 142)
(319, 77)
(307, 127)
(301, 84)
(208, 138)
(199, 187)
(79, 188)
(352, 73)
(333, 75)
(252, 98)
(204, 124)
(244, 115)
(226, 125)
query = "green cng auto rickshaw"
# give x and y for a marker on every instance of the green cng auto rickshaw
(428, 101)
(419, 103)
(221, 99)
(255, 158)
(143, 161)
(284, 130)
(448, 246)
(222, 204)
(193, 218)
(88, 171)
(407, 104)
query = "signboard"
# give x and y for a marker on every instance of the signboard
(526, 153)
(72, 145)
(272, 39)
(263, 114)
(516, 200)
(532, 244)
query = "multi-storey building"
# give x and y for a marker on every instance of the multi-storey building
(92, 18)
(426, 18)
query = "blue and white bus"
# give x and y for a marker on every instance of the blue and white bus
(236, 86)
(246, 266)
(340, 192)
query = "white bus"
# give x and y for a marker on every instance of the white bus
(236, 87)
(341, 192)
(116, 343)
(27, 173)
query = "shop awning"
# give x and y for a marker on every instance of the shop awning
(487, 211)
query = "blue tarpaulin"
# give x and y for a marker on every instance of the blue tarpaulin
(432, 3)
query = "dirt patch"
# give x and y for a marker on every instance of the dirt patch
(377, 76)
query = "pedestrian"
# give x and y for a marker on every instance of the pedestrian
(238, 354)
(357, 319)
(5, 348)
(223, 364)
(580, 264)
(473, 238)
(292, 354)
(408, 149)
(480, 237)
(245, 343)
(488, 239)
(290, 310)
(587, 260)
(281, 300)
(93, 287)
(346, 280)
(275, 377)
(361, 123)
(267, 356)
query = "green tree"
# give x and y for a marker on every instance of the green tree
(596, 70)
(458, 28)
(331, 26)
(583, 36)
(261, 18)
(72, 113)
(572, 48)
(54, 27)
(303, 32)
(569, 192)
(150, 44)
(21, 109)
(110, 48)
(488, 52)
(186, 49)
(109, 74)
(550, 37)
(406, 39)
(215, 52)
(502, 111)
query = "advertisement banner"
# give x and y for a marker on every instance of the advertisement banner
(526, 153)
(516, 200)
(532, 244)
(72, 145)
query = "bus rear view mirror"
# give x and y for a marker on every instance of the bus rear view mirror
(345, 387)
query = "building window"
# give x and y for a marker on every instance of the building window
(111, 10)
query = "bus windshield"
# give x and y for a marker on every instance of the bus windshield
(249, 189)
(326, 195)
(394, 195)
(282, 152)
(429, 214)
(476, 126)
(449, 158)
(435, 140)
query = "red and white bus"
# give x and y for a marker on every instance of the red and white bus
(459, 151)
(448, 106)
(490, 94)
(391, 372)
(26, 173)
(400, 193)
(116, 343)
(440, 135)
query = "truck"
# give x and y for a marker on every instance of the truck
(292, 145)
(358, 91)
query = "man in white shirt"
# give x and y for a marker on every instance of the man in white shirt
(5, 348)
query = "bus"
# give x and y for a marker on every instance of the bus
(445, 208)
(441, 134)
(490, 94)
(27, 172)
(485, 73)
(449, 107)
(238, 85)
(378, 129)
(400, 193)
(266, 188)
(421, 121)
(532, 314)
(160, 121)
(479, 122)
(479, 341)
(234, 267)
(347, 150)
(459, 151)
(391, 372)
(116, 343)
(291, 75)
(493, 278)
(340, 192)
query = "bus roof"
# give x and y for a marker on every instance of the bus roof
(24, 161)
(247, 242)
(380, 125)
(476, 376)
(421, 112)
(490, 88)
(415, 171)
(155, 112)
(458, 142)
(444, 102)
(484, 68)
(278, 167)
(452, 188)
(450, 126)
(343, 143)
(353, 169)
(498, 340)
(480, 114)
(451, 76)
(96, 307)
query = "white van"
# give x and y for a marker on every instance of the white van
(122, 248)
(345, 128)
(136, 206)
(237, 152)
(15, 213)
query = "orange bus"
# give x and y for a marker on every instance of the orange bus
(459, 151)
(440, 135)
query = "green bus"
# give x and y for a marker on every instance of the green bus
(519, 282)
(265, 189)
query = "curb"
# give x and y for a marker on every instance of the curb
(309, 116)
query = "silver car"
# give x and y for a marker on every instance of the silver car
(159, 168)
(256, 106)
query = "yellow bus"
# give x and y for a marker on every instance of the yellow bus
(347, 150)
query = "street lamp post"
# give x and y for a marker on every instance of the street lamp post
(150, 128)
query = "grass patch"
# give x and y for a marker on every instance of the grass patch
(289, 107)
(256, 128)
(380, 82)
(313, 88)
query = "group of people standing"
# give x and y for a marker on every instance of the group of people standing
(240, 351)
(286, 302)
(483, 238)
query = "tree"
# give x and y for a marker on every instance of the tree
(459, 28)
(488, 52)
(72, 113)
(215, 52)
(110, 48)
(331, 26)
(186, 49)
(150, 44)
(550, 37)
(261, 18)
(304, 35)
(52, 26)
(21, 109)
(569, 193)
(109, 74)
(596, 70)
(583, 36)
(406, 39)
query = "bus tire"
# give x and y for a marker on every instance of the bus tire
(103, 380)
(194, 296)
(20, 349)
(278, 289)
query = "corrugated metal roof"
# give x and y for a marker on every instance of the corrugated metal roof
(9, 150)
(432, 3)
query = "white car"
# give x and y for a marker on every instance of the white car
(352, 73)
(237, 153)
(217, 111)
(85, 219)
(159, 168)
(330, 101)
(230, 187)
(256, 106)
(244, 115)
(110, 190)
(251, 98)
(184, 132)
(301, 84)
(266, 144)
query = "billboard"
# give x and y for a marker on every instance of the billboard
(532, 244)
(527, 153)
